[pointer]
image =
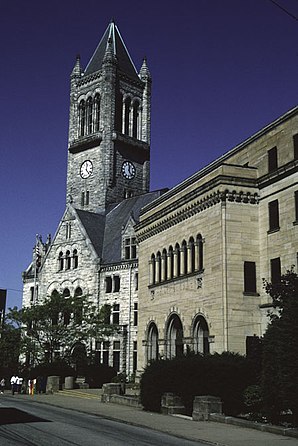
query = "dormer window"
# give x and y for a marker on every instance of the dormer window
(67, 260)
(130, 248)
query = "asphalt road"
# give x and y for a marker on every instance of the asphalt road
(31, 424)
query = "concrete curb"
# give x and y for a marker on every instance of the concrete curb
(279, 430)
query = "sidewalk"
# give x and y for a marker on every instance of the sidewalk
(206, 431)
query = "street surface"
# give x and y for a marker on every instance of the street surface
(31, 424)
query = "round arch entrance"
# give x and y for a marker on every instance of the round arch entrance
(174, 337)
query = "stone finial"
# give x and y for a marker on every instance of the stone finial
(77, 70)
(144, 71)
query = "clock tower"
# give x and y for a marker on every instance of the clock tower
(109, 127)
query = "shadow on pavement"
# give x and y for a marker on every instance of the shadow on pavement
(9, 415)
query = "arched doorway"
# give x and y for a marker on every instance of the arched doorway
(79, 357)
(201, 335)
(174, 337)
(152, 344)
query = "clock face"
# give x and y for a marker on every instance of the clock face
(86, 169)
(128, 170)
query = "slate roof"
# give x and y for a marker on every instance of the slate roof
(94, 225)
(125, 64)
(105, 231)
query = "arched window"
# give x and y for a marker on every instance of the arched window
(126, 116)
(184, 257)
(119, 112)
(174, 337)
(78, 292)
(201, 335)
(66, 293)
(171, 263)
(75, 258)
(135, 119)
(54, 293)
(152, 348)
(78, 316)
(67, 260)
(200, 257)
(55, 314)
(66, 314)
(61, 261)
(89, 115)
(164, 265)
(158, 267)
(191, 248)
(82, 118)
(152, 270)
(97, 112)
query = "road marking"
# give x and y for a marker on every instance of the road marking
(75, 394)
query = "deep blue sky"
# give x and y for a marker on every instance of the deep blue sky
(221, 69)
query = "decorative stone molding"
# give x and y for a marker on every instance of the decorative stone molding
(146, 229)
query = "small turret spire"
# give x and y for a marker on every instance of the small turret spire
(144, 71)
(77, 70)
(109, 55)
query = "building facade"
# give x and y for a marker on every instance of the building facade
(206, 245)
(94, 251)
(181, 269)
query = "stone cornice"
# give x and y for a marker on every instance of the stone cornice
(84, 80)
(85, 143)
(163, 220)
(88, 79)
(196, 193)
(224, 158)
(119, 266)
(280, 173)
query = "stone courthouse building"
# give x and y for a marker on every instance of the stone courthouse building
(182, 269)
(206, 245)
(94, 251)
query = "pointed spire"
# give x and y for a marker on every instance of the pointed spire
(144, 71)
(111, 44)
(109, 55)
(77, 70)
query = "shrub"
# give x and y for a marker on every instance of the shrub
(224, 375)
(253, 400)
(57, 368)
(97, 375)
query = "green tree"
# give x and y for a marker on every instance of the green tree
(51, 327)
(280, 349)
(10, 342)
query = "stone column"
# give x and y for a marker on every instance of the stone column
(176, 254)
(183, 260)
(196, 255)
(151, 272)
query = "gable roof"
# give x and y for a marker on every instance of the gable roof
(117, 218)
(94, 225)
(105, 231)
(124, 61)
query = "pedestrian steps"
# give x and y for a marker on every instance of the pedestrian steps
(78, 393)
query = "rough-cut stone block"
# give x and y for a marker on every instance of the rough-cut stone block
(204, 405)
(172, 404)
(53, 384)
